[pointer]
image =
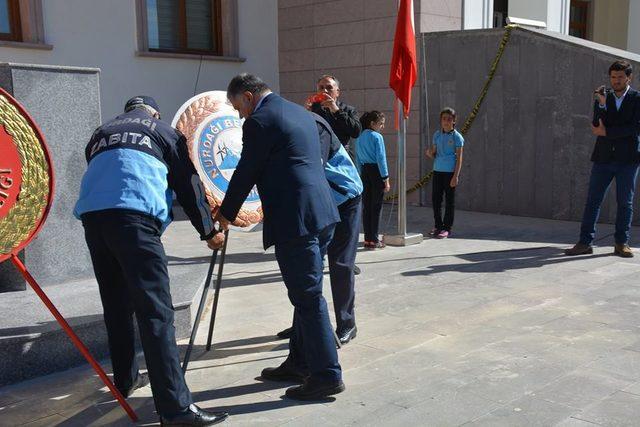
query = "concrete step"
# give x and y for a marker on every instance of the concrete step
(32, 343)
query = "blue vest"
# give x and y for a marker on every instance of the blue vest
(341, 173)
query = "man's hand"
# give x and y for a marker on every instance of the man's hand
(307, 105)
(387, 185)
(599, 93)
(216, 242)
(330, 104)
(454, 181)
(224, 222)
(599, 130)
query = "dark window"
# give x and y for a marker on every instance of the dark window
(500, 13)
(191, 26)
(578, 18)
(10, 28)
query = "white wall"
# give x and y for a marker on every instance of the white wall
(528, 9)
(99, 33)
(558, 15)
(611, 19)
(477, 14)
(633, 38)
(555, 13)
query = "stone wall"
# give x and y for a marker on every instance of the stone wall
(529, 148)
(353, 40)
(65, 104)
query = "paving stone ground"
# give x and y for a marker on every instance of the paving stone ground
(493, 326)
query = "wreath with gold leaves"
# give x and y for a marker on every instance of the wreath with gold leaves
(24, 218)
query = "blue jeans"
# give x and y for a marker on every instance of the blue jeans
(312, 347)
(601, 176)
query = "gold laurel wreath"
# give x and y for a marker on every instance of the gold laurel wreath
(24, 216)
(476, 107)
(188, 124)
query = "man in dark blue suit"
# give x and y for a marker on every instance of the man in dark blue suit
(281, 155)
(616, 123)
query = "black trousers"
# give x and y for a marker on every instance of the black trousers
(131, 269)
(372, 198)
(441, 187)
(342, 257)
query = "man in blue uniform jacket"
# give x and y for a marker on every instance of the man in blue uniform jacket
(135, 163)
(281, 155)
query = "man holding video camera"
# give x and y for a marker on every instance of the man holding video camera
(616, 123)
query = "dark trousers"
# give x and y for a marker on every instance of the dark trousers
(342, 257)
(372, 198)
(312, 346)
(442, 188)
(131, 269)
(601, 176)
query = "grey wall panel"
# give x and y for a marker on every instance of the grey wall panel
(528, 152)
(65, 103)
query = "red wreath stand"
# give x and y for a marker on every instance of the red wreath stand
(34, 284)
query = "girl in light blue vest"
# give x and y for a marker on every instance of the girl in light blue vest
(371, 161)
(447, 154)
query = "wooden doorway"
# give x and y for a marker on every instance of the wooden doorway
(578, 17)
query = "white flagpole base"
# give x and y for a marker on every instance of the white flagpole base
(403, 240)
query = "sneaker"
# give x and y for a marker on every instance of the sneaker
(434, 232)
(369, 245)
(579, 249)
(442, 234)
(378, 245)
(623, 250)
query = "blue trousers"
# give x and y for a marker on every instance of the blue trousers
(312, 347)
(342, 257)
(131, 269)
(601, 176)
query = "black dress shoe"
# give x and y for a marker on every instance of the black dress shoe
(285, 334)
(315, 390)
(348, 335)
(195, 416)
(283, 372)
(356, 270)
(141, 381)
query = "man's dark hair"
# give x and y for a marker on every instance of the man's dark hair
(246, 83)
(621, 66)
(370, 117)
(329, 76)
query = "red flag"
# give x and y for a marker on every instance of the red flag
(404, 69)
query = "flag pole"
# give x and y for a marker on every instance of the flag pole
(402, 171)
(402, 238)
(401, 80)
